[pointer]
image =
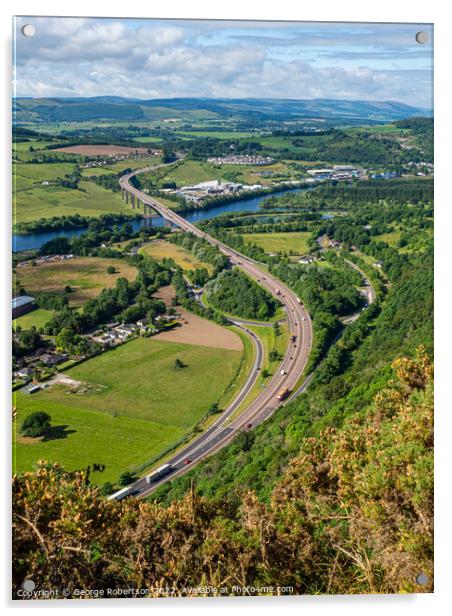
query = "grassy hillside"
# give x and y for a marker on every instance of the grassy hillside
(35, 201)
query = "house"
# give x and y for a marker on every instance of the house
(122, 332)
(21, 305)
(142, 322)
(25, 372)
(53, 359)
(107, 339)
(32, 389)
(307, 259)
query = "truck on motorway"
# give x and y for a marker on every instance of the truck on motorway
(162, 471)
(124, 493)
(283, 394)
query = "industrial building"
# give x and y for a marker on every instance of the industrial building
(21, 305)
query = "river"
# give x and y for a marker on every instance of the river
(32, 241)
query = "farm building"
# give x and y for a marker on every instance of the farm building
(21, 305)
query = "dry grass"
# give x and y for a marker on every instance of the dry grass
(160, 249)
(87, 276)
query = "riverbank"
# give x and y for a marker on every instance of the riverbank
(33, 241)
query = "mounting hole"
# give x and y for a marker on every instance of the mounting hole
(422, 37)
(28, 585)
(422, 579)
(28, 30)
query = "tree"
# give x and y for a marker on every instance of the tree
(65, 339)
(273, 355)
(107, 489)
(265, 373)
(214, 408)
(67, 289)
(125, 478)
(111, 269)
(178, 364)
(36, 424)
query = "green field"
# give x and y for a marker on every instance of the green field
(271, 341)
(217, 134)
(160, 249)
(189, 172)
(33, 201)
(37, 318)
(390, 238)
(86, 276)
(293, 242)
(138, 406)
(81, 437)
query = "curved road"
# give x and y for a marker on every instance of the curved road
(287, 376)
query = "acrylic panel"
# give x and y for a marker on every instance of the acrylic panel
(222, 308)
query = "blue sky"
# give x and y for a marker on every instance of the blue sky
(224, 59)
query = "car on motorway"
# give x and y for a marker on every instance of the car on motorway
(187, 461)
(249, 426)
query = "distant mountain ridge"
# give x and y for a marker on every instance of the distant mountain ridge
(44, 110)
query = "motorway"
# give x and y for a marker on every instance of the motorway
(287, 376)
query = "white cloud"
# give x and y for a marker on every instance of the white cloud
(89, 57)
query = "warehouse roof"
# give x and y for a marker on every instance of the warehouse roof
(22, 300)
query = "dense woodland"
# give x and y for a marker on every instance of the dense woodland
(235, 293)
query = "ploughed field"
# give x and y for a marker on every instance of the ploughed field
(127, 405)
(86, 276)
(195, 329)
(100, 150)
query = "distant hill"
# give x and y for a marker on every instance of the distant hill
(45, 110)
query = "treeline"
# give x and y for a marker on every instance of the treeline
(399, 190)
(201, 249)
(74, 221)
(234, 293)
(235, 241)
(93, 242)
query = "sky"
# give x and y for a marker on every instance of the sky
(149, 59)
